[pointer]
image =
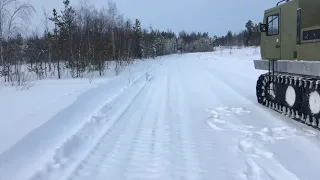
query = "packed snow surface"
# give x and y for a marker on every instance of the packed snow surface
(183, 116)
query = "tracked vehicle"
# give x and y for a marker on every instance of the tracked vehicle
(290, 51)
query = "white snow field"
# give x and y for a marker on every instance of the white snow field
(192, 116)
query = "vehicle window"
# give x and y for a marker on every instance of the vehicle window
(273, 25)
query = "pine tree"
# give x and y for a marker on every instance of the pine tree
(138, 40)
(57, 24)
(250, 27)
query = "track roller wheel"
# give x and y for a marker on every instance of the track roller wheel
(311, 103)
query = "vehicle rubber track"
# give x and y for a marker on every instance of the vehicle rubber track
(290, 96)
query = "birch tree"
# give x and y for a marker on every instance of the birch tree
(13, 14)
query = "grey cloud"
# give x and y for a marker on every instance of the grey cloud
(213, 16)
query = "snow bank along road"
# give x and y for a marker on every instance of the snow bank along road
(196, 117)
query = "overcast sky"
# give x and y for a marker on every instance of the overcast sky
(213, 16)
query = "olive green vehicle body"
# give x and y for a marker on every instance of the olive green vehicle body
(294, 38)
(290, 52)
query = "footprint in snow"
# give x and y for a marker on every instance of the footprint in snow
(252, 171)
(214, 126)
(216, 118)
(251, 145)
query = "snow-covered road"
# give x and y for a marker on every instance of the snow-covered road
(196, 117)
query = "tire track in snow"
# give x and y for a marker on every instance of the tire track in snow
(77, 146)
(185, 152)
(109, 157)
(149, 158)
(137, 154)
(139, 144)
(159, 148)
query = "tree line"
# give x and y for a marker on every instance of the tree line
(250, 36)
(86, 40)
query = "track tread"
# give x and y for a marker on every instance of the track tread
(300, 111)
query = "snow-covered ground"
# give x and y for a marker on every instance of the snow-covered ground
(192, 116)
